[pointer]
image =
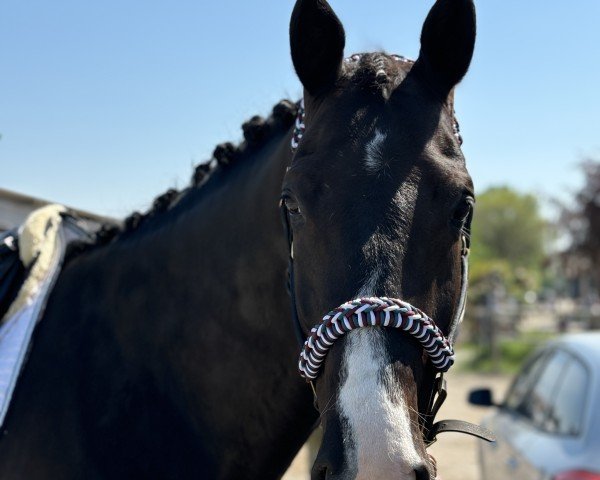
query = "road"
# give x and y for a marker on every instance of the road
(456, 454)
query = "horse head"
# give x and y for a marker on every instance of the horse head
(378, 201)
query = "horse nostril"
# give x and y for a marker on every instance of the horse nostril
(421, 473)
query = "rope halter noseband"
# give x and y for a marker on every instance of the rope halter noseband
(374, 311)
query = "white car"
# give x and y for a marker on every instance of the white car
(548, 426)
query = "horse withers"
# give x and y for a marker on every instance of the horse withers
(167, 349)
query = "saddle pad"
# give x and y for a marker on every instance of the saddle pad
(12, 270)
(42, 242)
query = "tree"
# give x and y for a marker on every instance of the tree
(582, 224)
(507, 255)
(508, 238)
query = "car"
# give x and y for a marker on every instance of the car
(548, 425)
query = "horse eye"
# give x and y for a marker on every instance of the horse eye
(463, 212)
(292, 206)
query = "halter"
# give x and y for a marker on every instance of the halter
(381, 312)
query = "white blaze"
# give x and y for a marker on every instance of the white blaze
(380, 433)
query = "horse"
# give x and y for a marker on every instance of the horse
(168, 347)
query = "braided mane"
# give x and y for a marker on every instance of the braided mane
(257, 131)
(371, 70)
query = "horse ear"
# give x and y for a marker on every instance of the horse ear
(447, 42)
(317, 42)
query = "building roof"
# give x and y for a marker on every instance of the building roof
(33, 202)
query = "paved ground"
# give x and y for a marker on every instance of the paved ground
(455, 453)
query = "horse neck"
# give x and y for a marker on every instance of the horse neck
(203, 315)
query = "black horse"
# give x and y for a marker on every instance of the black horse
(167, 349)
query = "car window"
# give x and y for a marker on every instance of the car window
(539, 407)
(523, 383)
(569, 404)
(551, 392)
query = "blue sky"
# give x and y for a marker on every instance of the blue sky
(103, 105)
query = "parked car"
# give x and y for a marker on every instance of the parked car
(548, 426)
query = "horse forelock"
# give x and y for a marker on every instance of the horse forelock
(378, 71)
(381, 73)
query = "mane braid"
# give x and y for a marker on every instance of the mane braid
(257, 131)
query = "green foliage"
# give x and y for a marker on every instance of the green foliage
(508, 237)
(511, 353)
(508, 226)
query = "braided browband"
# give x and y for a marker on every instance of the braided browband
(374, 311)
(300, 126)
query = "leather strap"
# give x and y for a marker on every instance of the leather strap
(459, 426)
(290, 274)
(438, 396)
